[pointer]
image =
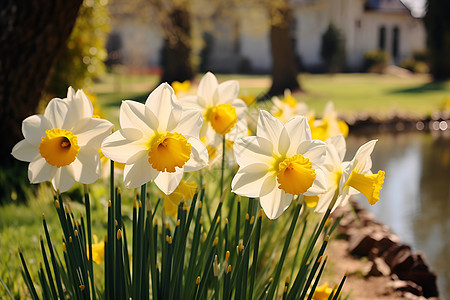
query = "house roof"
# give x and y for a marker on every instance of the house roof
(386, 6)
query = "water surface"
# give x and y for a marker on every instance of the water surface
(415, 199)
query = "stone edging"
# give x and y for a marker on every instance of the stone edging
(408, 270)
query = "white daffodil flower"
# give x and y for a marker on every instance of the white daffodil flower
(351, 177)
(288, 107)
(62, 144)
(281, 161)
(157, 141)
(223, 112)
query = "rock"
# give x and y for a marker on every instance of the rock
(392, 252)
(402, 262)
(360, 244)
(377, 267)
(412, 296)
(406, 286)
(426, 279)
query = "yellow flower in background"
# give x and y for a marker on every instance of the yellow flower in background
(288, 108)
(185, 191)
(98, 250)
(62, 144)
(280, 162)
(181, 88)
(322, 292)
(329, 125)
(97, 109)
(223, 113)
(248, 98)
(158, 141)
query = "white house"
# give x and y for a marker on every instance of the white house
(242, 44)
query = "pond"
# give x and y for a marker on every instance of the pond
(415, 200)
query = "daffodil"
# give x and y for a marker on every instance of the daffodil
(185, 191)
(223, 113)
(181, 88)
(62, 144)
(281, 161)
(215, 153)
(157, 141)
(351, 177)
(288, 108)
(329, 125)
(322, 292)
(98, 250)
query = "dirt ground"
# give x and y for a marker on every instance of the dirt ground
(356, 285)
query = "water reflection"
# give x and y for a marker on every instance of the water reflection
(415, 200)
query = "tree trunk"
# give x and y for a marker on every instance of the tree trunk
(437, 24)
(32, 32)
(284, 69)
(176, 52)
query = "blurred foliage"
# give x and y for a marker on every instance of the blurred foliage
(375, 61)
(332, 49)
(82, 60)
(418, 63)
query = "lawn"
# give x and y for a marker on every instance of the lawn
(378, 95)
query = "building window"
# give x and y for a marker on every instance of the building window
(395, 43)
(382, 38)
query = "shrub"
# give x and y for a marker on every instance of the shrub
(332, 49)
(376, 61)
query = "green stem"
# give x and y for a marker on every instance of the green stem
(89, 238)
(223, 165)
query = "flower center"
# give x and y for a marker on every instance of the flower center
(59, 147)
(369, 185)
(290, 101)
(223, 118)
(169, 151)
(295, 174)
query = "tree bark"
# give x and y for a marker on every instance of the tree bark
(176, 52)
(32, 32)
(284, 69)
(437, 25)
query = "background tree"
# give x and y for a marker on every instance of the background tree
(284, 68)
(437, 24)
(32, 33)
(332, 49)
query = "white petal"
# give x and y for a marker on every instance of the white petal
(139, 173)
(253, 149)
(25, 151)
(164, 104)
(320, 184)
(275, 203)
(338, 141)
(34, 127)
(168, 182)
(362, 161)
(269, 128)
(207, 89)
(123, 144)
(253, 181)
(314, 150)
(93, 132)
(56, 112)
(190, 122)
(238, 131)
(191, 101)
(325, 200)
(298, 131)
(86, 167)
(227, 91)
(284, 142)
(63, 179)
(241, 108)
(332, 160)
(39, 170)
(199, 156)
(136, 115)
(80, 107)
